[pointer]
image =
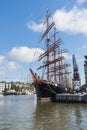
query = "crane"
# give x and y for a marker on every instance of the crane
(85, 69)
(76, 81)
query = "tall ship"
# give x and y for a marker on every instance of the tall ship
(55, 70)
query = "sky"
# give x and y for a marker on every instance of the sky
(20, 29)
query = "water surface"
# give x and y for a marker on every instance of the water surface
(25, 113)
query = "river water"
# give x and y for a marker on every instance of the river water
(26, 113)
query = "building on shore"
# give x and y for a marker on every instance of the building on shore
(3, 85)
(8, 85)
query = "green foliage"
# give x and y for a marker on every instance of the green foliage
(19, 89)
(14, 87)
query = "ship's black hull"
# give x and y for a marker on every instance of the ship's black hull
(45, 90)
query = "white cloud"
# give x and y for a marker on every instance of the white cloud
(12, 65)
(36, 27)
(81, 1)
(25, 54)
(73, 21)
(2, 58)
(67, 56)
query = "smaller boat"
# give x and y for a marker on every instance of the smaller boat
(9, 92)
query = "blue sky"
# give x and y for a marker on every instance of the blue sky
(20, 26)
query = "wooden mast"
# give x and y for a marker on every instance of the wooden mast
(47, 43)
(55, 55)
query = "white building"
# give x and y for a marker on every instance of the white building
(4, 84)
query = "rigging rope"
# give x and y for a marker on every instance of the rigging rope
(37, 45)
(33, 58)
